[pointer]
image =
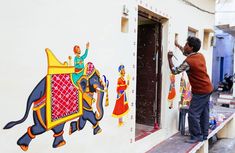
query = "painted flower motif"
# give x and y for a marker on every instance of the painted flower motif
(67, 78)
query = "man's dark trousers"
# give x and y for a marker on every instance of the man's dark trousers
(198, 116)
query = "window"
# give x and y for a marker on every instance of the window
(206, 39)
(124, 25)
(192, 32)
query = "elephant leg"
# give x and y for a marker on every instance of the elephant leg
(96, 128)
(73, 127)
(58, 136)
(91, 117)
(31, 133)
(82, 123)
(77, 125)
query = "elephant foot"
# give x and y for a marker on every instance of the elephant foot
(59, 140)
(60, 144)
(24, 147)
(73, 127)
(97, 130)
(24, 141)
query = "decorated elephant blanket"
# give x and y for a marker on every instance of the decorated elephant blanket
(63, 99)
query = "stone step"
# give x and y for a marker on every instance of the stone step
(224, 101)
(226, 96)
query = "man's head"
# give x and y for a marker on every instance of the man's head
(77, 50)
(193, 44)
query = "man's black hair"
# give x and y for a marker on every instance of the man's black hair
(194, 42)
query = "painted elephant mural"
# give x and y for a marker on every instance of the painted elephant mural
(57, 99)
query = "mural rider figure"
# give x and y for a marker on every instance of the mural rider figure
(79, 62)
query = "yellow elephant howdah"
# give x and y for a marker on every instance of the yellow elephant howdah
(55, 66)
(59, 70)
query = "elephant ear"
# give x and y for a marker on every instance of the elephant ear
(82, 83)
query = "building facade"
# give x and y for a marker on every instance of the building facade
(223, 61)
(124, 36)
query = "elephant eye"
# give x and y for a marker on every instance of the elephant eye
(96, 79)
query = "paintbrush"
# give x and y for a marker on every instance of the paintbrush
(175, 57)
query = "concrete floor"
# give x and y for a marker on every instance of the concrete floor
(223, 146)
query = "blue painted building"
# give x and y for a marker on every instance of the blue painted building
(223, 55)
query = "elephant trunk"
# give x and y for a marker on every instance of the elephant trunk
(99, 103)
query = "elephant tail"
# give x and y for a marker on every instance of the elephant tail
(36, 94)
(13, 123)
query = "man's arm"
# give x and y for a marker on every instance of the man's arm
(86, 51)
(178, 45)
(176, 70)
(84, 55)
(171, 65)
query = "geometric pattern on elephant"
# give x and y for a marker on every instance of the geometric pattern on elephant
(64, 96)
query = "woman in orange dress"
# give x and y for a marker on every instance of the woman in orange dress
(121, 107)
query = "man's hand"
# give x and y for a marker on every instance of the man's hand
(176, 43)
(87, 45)
(170, 54)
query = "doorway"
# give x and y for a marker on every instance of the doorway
(149, 76)
(221, 69)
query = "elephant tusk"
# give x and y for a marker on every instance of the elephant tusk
(101, 82)
(98, 89)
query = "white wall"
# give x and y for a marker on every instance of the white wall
(225, 12)
(28, 27)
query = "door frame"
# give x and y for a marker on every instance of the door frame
(158, 94)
